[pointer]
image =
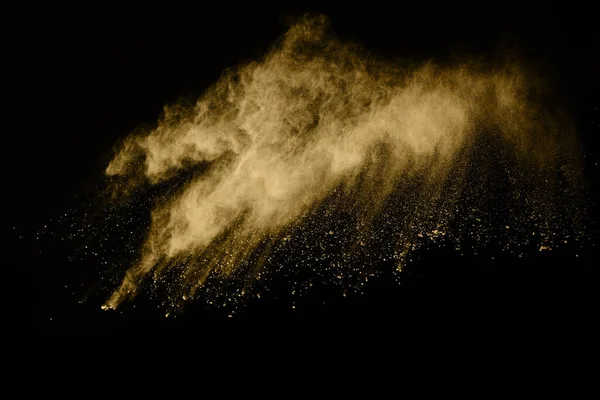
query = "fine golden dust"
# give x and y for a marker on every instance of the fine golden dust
(322, 161)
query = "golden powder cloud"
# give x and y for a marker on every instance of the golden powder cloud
(317, 123)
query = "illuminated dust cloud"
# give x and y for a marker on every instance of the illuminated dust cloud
(323, 159)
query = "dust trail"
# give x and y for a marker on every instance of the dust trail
(317, 125)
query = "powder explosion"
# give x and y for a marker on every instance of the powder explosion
(319, 151)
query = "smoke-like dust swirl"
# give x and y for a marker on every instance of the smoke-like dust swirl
(321, 154)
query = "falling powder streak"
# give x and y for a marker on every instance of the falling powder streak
(316, 122)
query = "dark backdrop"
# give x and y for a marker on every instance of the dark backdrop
(81, 77)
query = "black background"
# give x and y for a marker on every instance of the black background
(81, 77)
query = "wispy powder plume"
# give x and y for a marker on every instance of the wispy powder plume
(322, 158)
